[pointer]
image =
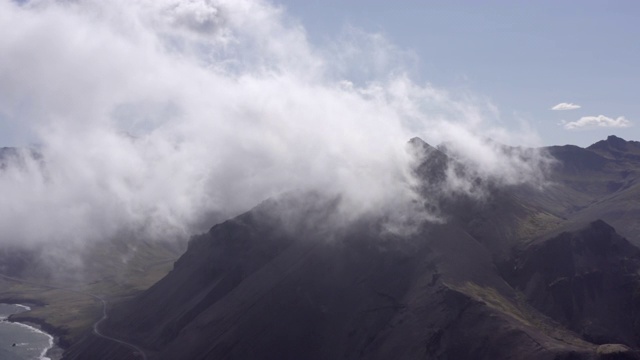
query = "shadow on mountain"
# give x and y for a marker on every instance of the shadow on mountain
(523, 273)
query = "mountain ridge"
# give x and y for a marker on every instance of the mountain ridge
(475, 287)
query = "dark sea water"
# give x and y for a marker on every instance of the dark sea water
(30, 343)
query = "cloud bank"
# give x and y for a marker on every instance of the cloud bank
(160, 117)
(600, 121)
(566, 106)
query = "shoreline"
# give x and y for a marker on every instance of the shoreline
(43, 354)
(54, 350)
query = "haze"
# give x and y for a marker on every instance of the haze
(161, 118)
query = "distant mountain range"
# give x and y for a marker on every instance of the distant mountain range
(525, 273)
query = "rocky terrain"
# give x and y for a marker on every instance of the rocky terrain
(525, 273)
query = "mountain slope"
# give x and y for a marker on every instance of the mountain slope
(518, 274)
(586, 279)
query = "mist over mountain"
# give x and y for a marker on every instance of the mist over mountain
(522, 271)
(197, 179)
(162, 118)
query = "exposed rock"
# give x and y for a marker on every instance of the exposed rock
(617, 352)
(524, 274)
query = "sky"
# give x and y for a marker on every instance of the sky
(160, 118)
(524, 56)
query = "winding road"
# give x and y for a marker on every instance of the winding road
(96, 326)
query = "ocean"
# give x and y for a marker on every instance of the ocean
(20, 341)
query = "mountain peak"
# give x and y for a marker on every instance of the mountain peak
(614, 144)
(416, 141)
(421, 148)
(617, 148)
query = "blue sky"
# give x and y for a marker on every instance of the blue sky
(156, 117)
(524, 56)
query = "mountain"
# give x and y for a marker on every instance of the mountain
(585, 279)
(63, 283)
(524, 273)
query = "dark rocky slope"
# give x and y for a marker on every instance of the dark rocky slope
(515, 276)
(586, 279)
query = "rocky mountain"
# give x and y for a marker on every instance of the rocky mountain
(525, 273)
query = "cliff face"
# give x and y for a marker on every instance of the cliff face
(519, 275)
(587, 280)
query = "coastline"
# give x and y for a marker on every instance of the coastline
(54, 350)
(43, 354)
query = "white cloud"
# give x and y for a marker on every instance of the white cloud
(600, 121)
(159, 116)
(566, 106)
